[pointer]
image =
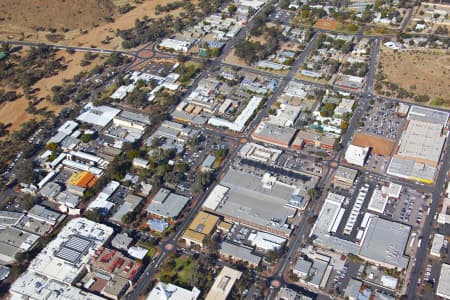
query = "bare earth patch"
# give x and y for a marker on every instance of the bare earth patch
(94, 35)
(379, 145)
(14, 112)
(422, 72)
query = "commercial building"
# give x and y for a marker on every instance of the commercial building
(352, 289)
(121, 241)
(444, 215)
(263, 241)
(170, 291)
(378, 201)
(241, 121)
(436, 246)
(421, 142)
(200, 229)
(319, 140)
(129, 205)
(63, 262)
(356, 155)
(274, 134)
(420, 147)
(97, 115)
(39, 287)
(313, 271)
(443, 289)
(288, 294)
(176, 45)
(40, 220)
(223, 284)
(167, 205)
(101, 202)
(344, 177)
(412, 170)
(208, 163)
(384, 243)
(236, 253)
(261, 202)
(259, 153)
(14, 240)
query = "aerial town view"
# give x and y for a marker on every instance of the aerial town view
(224, 149)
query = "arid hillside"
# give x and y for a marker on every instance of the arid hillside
(57, 14)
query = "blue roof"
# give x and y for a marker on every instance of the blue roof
(157, 225)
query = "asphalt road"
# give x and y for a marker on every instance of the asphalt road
(421, 254)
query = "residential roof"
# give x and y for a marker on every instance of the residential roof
(223, 284)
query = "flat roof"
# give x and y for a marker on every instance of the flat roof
(385, 241)
(248, 200)
(443, 289)
(377, 201)
(428, 115)
(204, 223)
(346, 173)
(74, 239)
(422, 141)
(239, 253)
(13, 241)
(313, 136)
(410, 169)
(223, 284)
(172, 292)
(274, 134)
(39, 287)
(99, 116)
(352, 289)
(170, 207)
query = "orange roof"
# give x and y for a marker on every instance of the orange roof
(83, 179)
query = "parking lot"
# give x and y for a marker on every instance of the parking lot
(377, 163)
(411, 208)
(382, 120)
(281, 16)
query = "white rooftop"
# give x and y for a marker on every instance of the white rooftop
(99, 116)
(170, 291)
(78, 240)
(443, 289)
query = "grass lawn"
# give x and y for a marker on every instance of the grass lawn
(177, 270)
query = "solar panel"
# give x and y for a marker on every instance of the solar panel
(78, 243)
(69, 255)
